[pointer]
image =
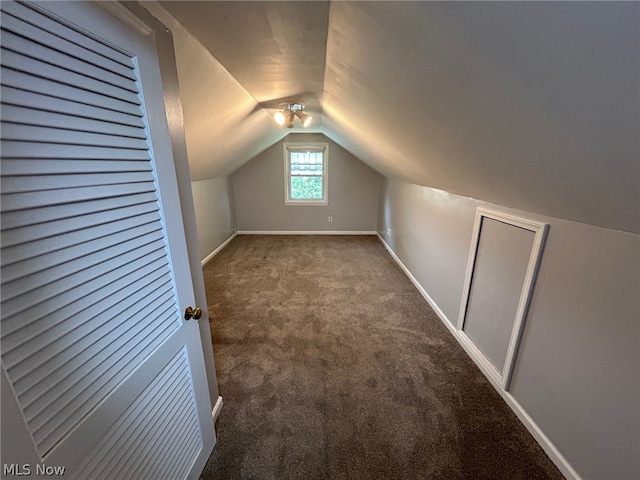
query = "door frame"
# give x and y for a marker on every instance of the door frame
(539, 230)
(169, 73)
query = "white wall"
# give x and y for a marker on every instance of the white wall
(259, 193)
(215, 215)
(577, 374)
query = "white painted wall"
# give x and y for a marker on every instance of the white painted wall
(577, 374)
(259, 193)
(215, 214)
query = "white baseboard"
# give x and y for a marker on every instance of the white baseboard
(215, 413)
(306, 232)
(554, 454)
(217, 250)
(422, 291)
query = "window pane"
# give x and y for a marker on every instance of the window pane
(303, 188)
(306, 163)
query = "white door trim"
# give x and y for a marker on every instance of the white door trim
(540, 231)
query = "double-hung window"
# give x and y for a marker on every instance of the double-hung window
(306, 173)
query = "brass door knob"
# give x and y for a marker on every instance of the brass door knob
(194, 313)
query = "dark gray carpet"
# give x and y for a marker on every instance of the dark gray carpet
(332, 366)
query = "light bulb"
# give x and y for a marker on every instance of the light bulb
(305, 118)
(279, 117)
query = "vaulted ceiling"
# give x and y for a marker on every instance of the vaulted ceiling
(531, 105)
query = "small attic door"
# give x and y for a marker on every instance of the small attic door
(101, 375)
(504, 258)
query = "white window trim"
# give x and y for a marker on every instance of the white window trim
(301, 146)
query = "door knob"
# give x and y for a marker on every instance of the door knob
(194, 313)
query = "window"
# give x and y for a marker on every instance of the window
(305, 170)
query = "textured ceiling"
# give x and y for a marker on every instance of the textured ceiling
(275, 50)
(531, 105)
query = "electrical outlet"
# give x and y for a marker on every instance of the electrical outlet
(330, 219)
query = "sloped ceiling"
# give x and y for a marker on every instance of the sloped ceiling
(531, 105)
(275, 50)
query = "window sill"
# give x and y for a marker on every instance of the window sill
(307, 203)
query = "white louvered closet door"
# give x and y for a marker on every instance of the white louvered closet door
(101, 375)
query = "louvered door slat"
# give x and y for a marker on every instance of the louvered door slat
(61, 265)
(56, 151)
(69, 92)
(191, 443)
(135, 460)
(79, 279)
(164, 442)
(67, 402)
(30, 133)
(29, 116)
(189, 429)
(12, 307)
(35, 384)
(76, 407)
(52, 371)
(19, 235)
(118, 443)
(69, 271)
(34, 183)
(36, 101)
(74, 392)
(172, 415)
(48, 245)
(17, 219)
(28, 48)
(44, 22)
(42, 37)
(62, 321)
(68, 316)
(49, 368)
(69, 398)
(21, 166)
(39, 68)
(30, 200)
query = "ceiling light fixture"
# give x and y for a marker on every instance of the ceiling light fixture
(287, 113)
(305, 118)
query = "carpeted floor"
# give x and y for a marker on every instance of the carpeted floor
(332, 366)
